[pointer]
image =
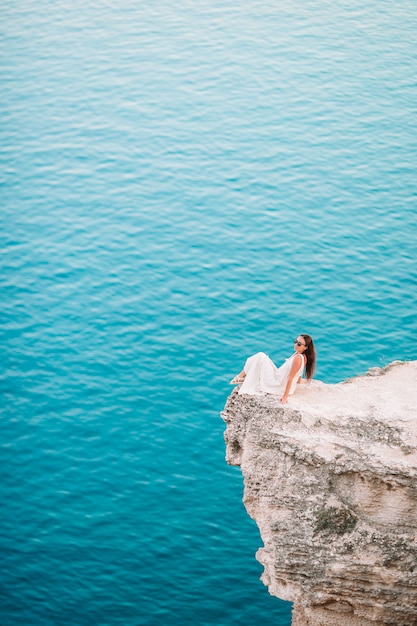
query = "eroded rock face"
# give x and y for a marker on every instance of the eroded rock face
(331, 480)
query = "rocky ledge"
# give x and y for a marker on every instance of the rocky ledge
(330, 480)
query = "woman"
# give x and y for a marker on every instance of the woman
(260, 375)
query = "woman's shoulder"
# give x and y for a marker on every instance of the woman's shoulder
(301, 360)
(294, 357)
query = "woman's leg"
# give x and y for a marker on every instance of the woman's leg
(259, 375)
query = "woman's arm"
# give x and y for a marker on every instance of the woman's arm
(295, 366)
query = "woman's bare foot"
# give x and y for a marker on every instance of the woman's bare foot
(238, 380)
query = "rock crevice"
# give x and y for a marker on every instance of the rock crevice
(331, 480)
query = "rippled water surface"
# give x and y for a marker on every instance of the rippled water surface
(183, 184)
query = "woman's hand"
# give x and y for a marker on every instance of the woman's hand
(284, 399)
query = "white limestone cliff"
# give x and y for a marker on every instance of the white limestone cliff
(331, 481)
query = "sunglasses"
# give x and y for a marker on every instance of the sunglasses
(298, 343)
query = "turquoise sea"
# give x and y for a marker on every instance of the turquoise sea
(183, 184)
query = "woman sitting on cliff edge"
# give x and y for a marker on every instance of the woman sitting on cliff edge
(260, 375)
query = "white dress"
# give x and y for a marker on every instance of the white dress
(263, 376)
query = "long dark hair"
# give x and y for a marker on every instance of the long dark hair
(311, 356)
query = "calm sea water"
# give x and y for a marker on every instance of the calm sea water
(183, 183)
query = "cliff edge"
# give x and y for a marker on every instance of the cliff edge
(331, 481)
